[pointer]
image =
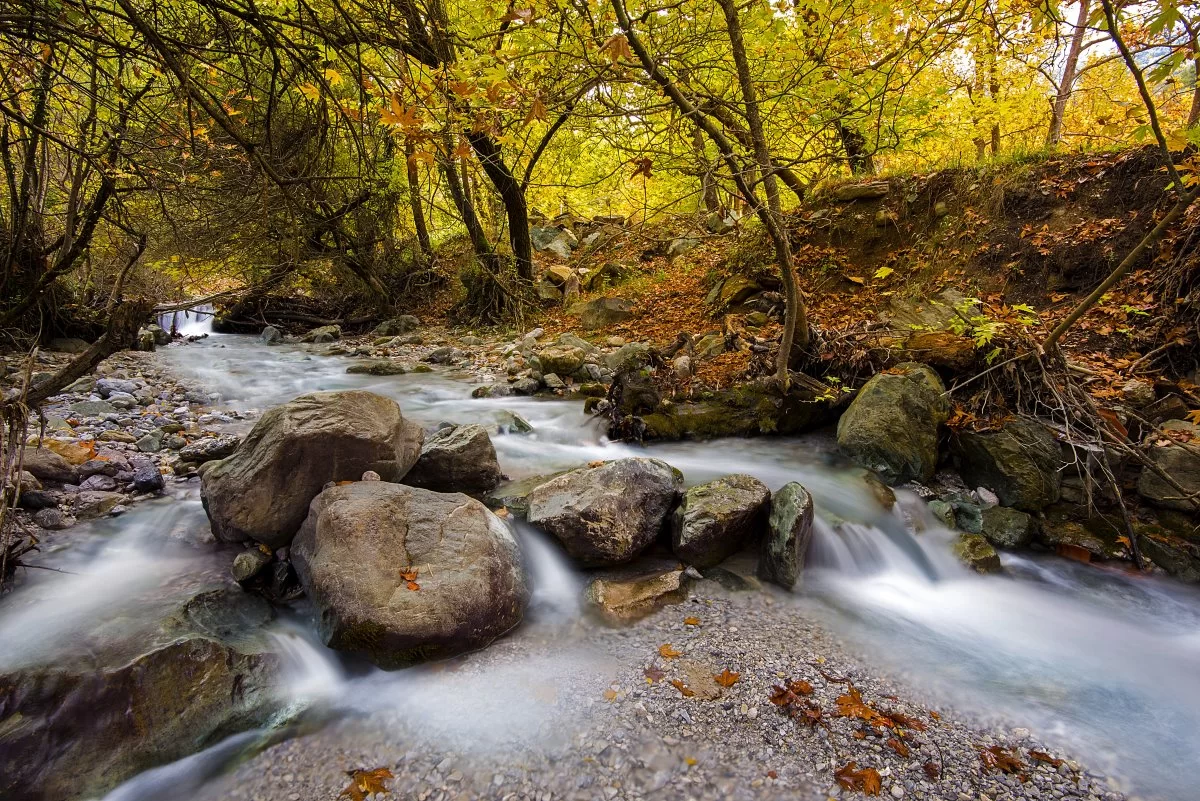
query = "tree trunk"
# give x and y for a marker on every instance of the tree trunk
(414, 200)
(513, 198)
(708, 187)
(1067, 85)
(794, 315)
(466, 209)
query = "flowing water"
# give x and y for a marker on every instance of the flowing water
(1104, 663)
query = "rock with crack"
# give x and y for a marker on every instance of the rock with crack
(626, 594)
(263, 490)
(608, 514)
(403, 575)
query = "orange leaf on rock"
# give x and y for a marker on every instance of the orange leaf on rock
(851, 705)
(1042, 756)
(366, 782)
(684, 690)
(691, 621)
(667, 652)
(899, 746)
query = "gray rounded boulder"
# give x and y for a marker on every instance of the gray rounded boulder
(403, 575)
(1020, 462)
(607, 514)
(457, 459)
(263, 490)
(891, 427)
(714, 520)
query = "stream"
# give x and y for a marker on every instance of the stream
(1100, 661)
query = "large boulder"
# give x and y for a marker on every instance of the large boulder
(714, 520)
(608, 514)
(1180, 461)
(457, 459)
(47, 465)
(1020, 462)
(263, 490)
(789, 533)
(891, 427)
(603, 312)
(1007, 528)
(402, 575)
(87, 716)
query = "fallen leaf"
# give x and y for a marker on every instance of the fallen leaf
(727, 679)
(366, 782)
(866, 781)
(857, 280)
(691, 621)
(610, 694)
(667, 652)
(689, 761)
(996, 758)
(801, 687)
(898, 746)
(409, 575)
(414, 586)
(653, 673)
(684, 690)
(932, 770)
(1042, 756)
(851, 705)
(772, 774)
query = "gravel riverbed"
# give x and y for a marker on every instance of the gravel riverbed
(582, 712)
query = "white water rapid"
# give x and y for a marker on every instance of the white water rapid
(1103, 662)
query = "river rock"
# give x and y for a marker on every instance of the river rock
(263, 490)
(91, 504)
(99, 482)
(603, 312)
(631, 356)
(403, 324)
(1178, 557)
(514, 495)
(53, 519)
(608, 514)
(789, 533)
(1020, 463)
(248, 564)
(977, 553)
(1180, 461)
(714, 520)
(466, 584)
(456, 459)
(561, 359)
(92, 408)
(271, 336)
(147, 478)
(324, 333)
(47, 465)
(380, 367)
(151, 442)
(69, 345)
(1007, 528)
(209, 449)
(70, 731)
(631, 593)
(891, 427)
(106, 387)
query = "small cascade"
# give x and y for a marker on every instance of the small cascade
(555, 585)
(196, 321)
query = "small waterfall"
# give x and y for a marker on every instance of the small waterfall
(556, 587)
(196, 321)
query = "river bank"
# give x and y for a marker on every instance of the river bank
(596, 683)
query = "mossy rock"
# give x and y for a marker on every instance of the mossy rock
(977, 553)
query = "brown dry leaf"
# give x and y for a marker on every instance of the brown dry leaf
(932, 770)
(414, 586)
(801, 687)
(684, 690)
(366, 782)
(851, 705)
(905, 721)
(1042, 756)
(653, 673)
(727, 679)
(996, 758)
(610, 694)
(667, 652)
(899, 746)
(410, 574)
(691, 621)
(867, 780)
